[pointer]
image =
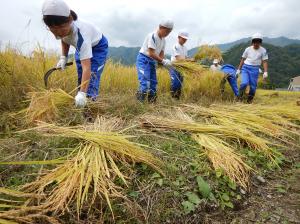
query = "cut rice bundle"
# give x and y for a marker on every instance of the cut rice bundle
(91, 170)
(224, 158)
(47, 105)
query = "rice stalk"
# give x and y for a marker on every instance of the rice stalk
(188, 68)
(47, 105)
(210, 52)
(223, 157)
(90, 173)
(232, 115)
(237, 133)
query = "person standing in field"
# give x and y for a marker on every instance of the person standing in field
(249, 67)
(152, 51)
(179, 53)
(215, 66)
(90, 44)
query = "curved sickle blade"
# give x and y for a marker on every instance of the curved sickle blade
(48, 73)
(46, 76)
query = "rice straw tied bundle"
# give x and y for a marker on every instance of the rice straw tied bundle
(210, 52)
(94, 165)
(223, 157)
(47, 105)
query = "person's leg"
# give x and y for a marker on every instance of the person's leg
(244, 82)
(153, 82)
(98, 61)
(253, 79)
(233, 83)
(142, 64)
(176, 83)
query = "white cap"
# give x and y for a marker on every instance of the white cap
(167, 23)
(55, 8)
(183, 34)
(257, 36)
(216, 61)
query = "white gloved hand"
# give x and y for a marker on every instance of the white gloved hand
(166, 62)
(62, 62)
(80, 99)
(260, 71)
(265, 75)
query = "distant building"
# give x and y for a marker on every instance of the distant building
(295, 84)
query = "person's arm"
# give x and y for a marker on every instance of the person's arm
(64, 56)
(156, 57)
(86, 74)
(65, 49)
(241, 63)
(162, 54)
(265, 65)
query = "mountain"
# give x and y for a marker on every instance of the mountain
(284, 62)
(124, 55)
(278, 41)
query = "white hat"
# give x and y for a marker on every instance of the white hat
(216, 61)
(183, 34)
(167, 23)
(55, 8)
(257, 36)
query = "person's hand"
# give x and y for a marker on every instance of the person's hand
(265, 75)
(62, 62)
(166, 63)
(80, 99)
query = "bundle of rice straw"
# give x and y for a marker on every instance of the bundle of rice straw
(89, 173)
(210, 52)
(250, 118)
(188, 68)
(224, 158)
(47, 105)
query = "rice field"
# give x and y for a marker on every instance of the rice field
(120, 161)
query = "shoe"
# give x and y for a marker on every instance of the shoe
(141, 96)
(152, 98)
(176, 94)
(250, 99)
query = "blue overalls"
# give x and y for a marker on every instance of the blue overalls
(98, 61)
(250, 76)
(146, 68)
(230, 71)
(176, 80)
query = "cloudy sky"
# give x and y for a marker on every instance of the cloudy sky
(126, 22)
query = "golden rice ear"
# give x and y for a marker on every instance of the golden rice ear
(224, 158)
(91, 170)
(233, 133)
(210, 52)
(47, 105)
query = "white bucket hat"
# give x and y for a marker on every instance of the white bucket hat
(257, 36)
(183, 34)
(55, 8)
(167, 23)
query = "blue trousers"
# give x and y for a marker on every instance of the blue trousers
(146, 69)
(231, 72)
(233, 83)
(250, 76)
(98, 61)
(176, 80)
